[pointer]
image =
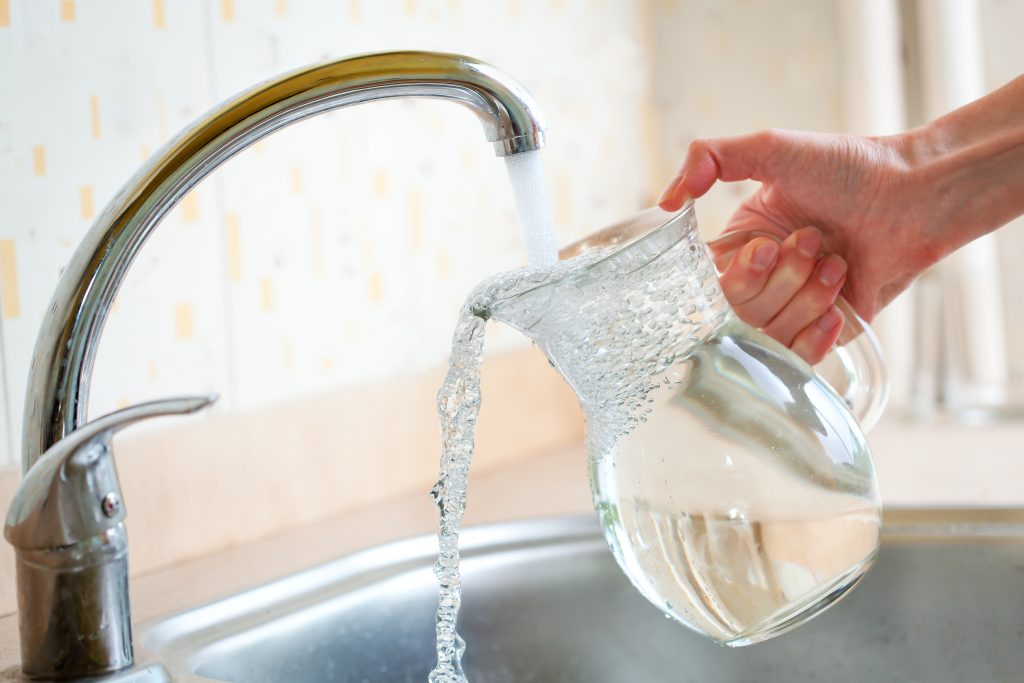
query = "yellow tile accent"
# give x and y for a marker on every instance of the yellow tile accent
(724, 42)
(94, 117)
(159, 15)
(67, 10)
(267, 294)
(410, 7)
(227, 10)
(163, 126)
(316, 243)
(9, 300)
(39, 160)
(436, 122)
(152, 371)
(443, 263)
(326, 363)
(707, 105)
(5, 13)
(184, 321)
(381, 183)
(512, 7)
(812, 54)
(468, 158)
(122, 403)
(190, 207)
(376, 287)
(85, 203)
(355, 10)
(144, 152)
(296, 179)
(281, 8)
(234, 246)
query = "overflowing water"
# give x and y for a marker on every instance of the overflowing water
(458, 401)
(734, 488)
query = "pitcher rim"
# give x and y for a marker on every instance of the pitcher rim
(647, 235)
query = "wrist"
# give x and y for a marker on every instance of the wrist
(967, 180)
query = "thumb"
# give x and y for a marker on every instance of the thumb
(742, 157)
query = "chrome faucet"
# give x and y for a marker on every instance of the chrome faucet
(86, 630)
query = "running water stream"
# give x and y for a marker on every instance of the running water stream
(458, 402)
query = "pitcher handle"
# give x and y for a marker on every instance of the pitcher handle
(862, 379)
(855, 367)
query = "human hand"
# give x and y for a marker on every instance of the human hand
(888, 207)
(859, 192)
(787, 289)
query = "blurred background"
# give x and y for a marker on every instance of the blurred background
(336, 253)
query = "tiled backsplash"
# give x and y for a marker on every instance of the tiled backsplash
(339, 250)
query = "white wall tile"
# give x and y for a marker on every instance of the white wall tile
(97, 94)
(339, 250)
(406, 198)
(356, 235)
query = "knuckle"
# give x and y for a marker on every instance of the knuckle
(812, 350)
(738, 289)
(697, 148)
(818, 298)
(768, 137)
(816, 356)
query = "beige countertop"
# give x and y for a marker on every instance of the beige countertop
(937, 465)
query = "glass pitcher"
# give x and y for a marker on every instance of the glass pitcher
(734, 485)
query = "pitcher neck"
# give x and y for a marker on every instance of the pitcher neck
(620, 321)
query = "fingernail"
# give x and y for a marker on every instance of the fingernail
(764, 255)
(667, 195)
(832, 270)
(809, 242)
(830, 320)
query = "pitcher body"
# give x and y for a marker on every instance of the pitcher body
(734, 486)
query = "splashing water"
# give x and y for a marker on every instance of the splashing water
(458, 404)
(458, 401)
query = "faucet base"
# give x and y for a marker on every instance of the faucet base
(73, 608)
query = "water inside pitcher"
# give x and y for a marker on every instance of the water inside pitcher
(734, 485)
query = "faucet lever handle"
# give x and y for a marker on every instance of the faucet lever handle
(66, 524)
(72, 493)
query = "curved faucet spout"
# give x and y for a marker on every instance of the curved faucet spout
(60, 375)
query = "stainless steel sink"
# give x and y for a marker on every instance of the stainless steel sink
(545, 602)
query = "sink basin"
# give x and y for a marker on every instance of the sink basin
(544, 601)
